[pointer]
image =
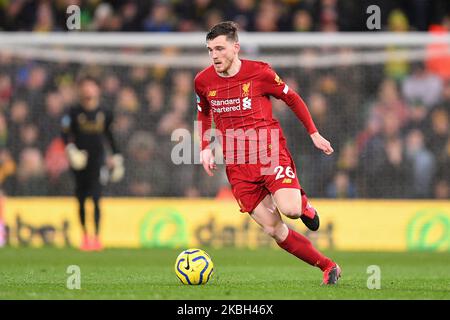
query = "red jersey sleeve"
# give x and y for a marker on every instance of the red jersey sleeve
(204, 116)
(274, 86)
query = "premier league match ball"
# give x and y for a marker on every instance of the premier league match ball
(194, 266)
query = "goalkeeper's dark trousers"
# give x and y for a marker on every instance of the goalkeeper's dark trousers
(87, 184)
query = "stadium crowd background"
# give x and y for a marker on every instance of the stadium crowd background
(200, 15)
(389, 123)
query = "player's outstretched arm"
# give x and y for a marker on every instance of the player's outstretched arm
(77, 158)
(322, 143)
(273, 85)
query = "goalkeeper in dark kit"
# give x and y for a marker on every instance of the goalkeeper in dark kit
(86, 130)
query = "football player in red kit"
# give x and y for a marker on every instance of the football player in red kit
(236, 94)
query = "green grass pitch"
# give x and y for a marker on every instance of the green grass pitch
(265, 274)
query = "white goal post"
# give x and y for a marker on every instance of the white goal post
(197, 39)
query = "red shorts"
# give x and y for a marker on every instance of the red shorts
(250, 185)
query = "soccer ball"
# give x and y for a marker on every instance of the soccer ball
(194, 266)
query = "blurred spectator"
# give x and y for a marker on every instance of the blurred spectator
(19, 115)
(127, 100)
(439, 134)
(390, 101)
(383, 159)
(394, 170)
(418, 113)
(438, 59)
(423, 86)
(3, 131)
(423, 164)
(192, 181)
(124, 126)
(319, 109)
(446, 94)
(397, 67)
(302, 21)
(328, 15)
(50, 120)
(317, 161)
(68, 93)
(44, 17)
(138, 76)
(5, 91)
(348, 160)
(34, 90)
(28, 137)
(225, 193)
(153, 106)
(442, 190)
(192, 13)
(398, 21)
(110, 87)
(175, 118)
(267, 15)
(57, 168)
(372, 129)
(341, 187)
(102, 17)
(7, 170)
(180, 105)
(212, 18)
(242, 12)
(160, 18)
(31, 180)
(182, 83)
(130, 21)
(149, 176)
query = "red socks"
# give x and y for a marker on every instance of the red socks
(303, 249)
(304, 199)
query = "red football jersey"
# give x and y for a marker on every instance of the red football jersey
(242, 111)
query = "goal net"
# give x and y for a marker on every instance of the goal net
(381, 99)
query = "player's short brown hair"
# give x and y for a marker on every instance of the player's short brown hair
(226, 28)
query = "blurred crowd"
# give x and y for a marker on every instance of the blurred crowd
(200, 15)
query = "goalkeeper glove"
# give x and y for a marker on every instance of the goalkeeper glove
(118, 169)
(77, 157)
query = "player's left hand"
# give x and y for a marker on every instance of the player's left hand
(118, 170)
(322, 143)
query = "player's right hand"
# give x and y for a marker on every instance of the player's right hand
(77, 158)
(118, 170)
(207, 159)
(322, 143)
